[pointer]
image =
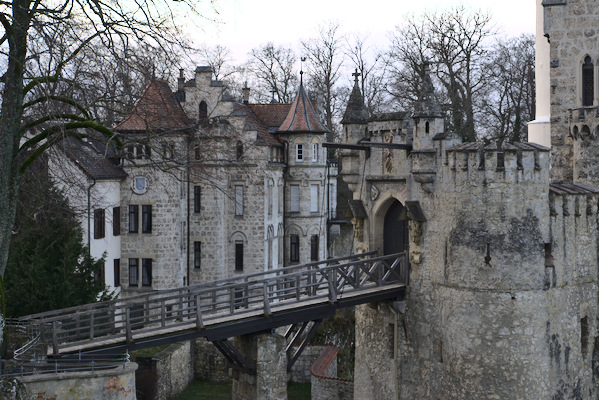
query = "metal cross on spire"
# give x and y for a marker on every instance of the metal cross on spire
(302, 59)
(356, 75)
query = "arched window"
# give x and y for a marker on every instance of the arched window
(239, 150)
(203, 110)
(587, 82)
(426, 127)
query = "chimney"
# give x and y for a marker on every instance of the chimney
(246, 93)
(181, 80)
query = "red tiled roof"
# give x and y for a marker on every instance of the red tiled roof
(272, 114)
(265, 136)
(156, 110)
(302, 117)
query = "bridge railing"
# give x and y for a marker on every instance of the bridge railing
(205, 304)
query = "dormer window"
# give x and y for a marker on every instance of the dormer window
(203, 112)
(239, 150)
(299, 152)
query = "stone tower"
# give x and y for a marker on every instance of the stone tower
(502, 296)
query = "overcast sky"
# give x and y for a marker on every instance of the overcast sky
(247, 24)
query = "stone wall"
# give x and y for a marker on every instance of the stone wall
(208, 363)
(110, 384)
(266, 353)
(300, 372)
(167, 373)
(325, 384)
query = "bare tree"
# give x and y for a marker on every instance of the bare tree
(324, 59)
(273, 70)
(219, 59)
(369, 63)
(82, 24)
(405, 59)
(455, 41)
(510, 100)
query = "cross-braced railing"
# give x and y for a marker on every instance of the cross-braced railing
(212, 304)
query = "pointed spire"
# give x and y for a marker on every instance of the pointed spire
(302, 117)
(356, 112)
(428, 105)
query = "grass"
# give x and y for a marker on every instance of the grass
(149, 351)
(202, 390)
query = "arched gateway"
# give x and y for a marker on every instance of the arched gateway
(395, 231)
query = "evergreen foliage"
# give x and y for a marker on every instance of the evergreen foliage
(48, 265)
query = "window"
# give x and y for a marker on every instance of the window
(197, 254)
(133, 272)
(196, 153)
(314, 152)
(117, 272)
(299, 152)
(99, 224)
(269, 199)
(101, 274)
(314, 248)
(239, 150)
(427, 127)
(313, 198)
(133, 218)
(203, 111)
(116, 221)
(587, 82)
(146, 219)
(238, 200)
(146, 272)
(197, 199)
(238, 255)
(294, 248)
(168, 151)
(294, 194)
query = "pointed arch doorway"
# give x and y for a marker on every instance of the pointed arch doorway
(395, 231)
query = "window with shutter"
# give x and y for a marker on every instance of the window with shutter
(313, 198)
(294, 194)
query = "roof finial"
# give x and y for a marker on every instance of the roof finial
(302, 70)
(356, 75)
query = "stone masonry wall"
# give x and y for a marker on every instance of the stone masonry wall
(110, 384)
(572, 30)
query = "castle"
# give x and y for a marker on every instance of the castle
(209, 187)
(503, 240)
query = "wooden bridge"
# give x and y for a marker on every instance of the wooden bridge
(226, 308)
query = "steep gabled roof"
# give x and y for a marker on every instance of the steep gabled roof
(271, 114)
(356, 112)
(428, 105)
(302, 117)
(92, 163)
(253, 120)
(157, 110)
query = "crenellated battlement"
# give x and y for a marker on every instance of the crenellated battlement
(508, 163)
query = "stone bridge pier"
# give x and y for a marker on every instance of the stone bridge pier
(266, 356)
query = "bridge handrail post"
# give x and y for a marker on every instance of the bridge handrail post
(267, 310)
(54, 339)
(199, 321)
(128, 333)
(91, 325)
(332, 287)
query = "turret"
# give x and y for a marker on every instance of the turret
(427, 115)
